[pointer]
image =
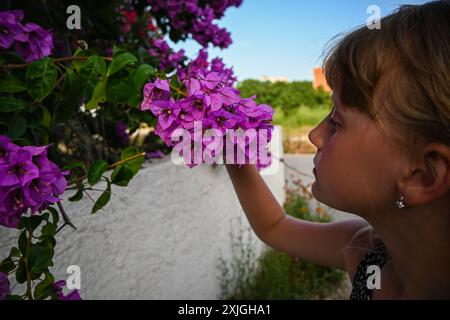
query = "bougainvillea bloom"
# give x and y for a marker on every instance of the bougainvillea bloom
(10, 28)
(206, 96)
(59, 285)
(28, 180)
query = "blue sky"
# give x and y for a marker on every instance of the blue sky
(287, 37)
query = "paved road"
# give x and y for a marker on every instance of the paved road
(304, 164)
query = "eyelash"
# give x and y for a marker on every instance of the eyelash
(333, 124)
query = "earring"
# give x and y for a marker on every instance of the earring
(400, 203)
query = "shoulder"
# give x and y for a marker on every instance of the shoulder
(362, 242)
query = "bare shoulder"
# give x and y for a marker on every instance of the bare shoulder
(360, 244)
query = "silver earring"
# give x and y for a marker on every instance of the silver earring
(400, 203)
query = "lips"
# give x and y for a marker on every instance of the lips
(314, 171)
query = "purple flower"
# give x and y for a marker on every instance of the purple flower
(154, 92)
(5, 289)
(38, 42)
(196, 104)
(121, 131)
(12, 205)
(6, 149)
(59, 285)
(19, 171)
(10, 28)
(195, 19)
(221, 120)
(28, 179)
(166, 111)
(168, 59)
(158, 154)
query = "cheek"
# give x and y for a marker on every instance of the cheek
(351, 177)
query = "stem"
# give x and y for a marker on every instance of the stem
(142, 154)
(71, 58)
(88, 195)
(65, 217)
(178, 91)
(28, 293)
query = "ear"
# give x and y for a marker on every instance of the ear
(429, 178)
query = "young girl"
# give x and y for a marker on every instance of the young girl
(384, 154)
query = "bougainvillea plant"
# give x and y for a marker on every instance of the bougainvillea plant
(81, 108)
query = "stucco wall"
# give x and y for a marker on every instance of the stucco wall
(159, 238)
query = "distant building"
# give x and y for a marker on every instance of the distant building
(274, 79)
(319, 80)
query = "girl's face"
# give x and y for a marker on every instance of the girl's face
(356, 168)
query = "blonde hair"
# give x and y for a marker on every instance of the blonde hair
(402, 68)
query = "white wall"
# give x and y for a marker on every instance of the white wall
(159, 238)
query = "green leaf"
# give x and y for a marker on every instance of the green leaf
(23, 240)
(14, 252)
(79, 64)
(48, 239)
(119, 90)
(134, 164)
(95, 66)
(11, 84)
(40, 256)
(30, 223)
(120, 62)
(21, 273)
(142, 74)
(140, 77)
(46, 120)
(55, 214)
(72, 89)
(78, 195)
(10, 104)
(41, 78)
(117, 51)
(43, 289)
(45, 216)
(135, 99)
(122, 175)
(76, 164)
(96, 171)
(98, 96)
(17, 126)
(7, 265)
(49, 229)
(103, 199)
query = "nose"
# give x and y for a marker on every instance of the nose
(316, 137)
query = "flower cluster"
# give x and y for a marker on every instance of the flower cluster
(59, 285)
(200, 64)
(206, 98)
(31, 41)
(168, 59)
(28, 179)
(194, 17)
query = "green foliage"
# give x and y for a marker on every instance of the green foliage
(96, 171)
(296, 103)
(103, 199)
